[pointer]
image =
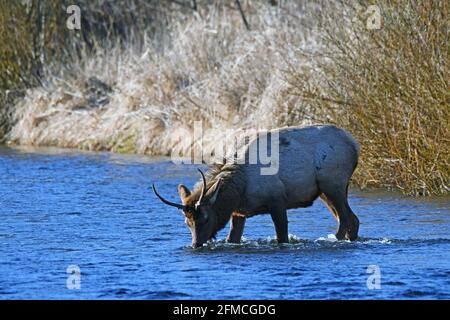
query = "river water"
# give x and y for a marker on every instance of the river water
(64, 209)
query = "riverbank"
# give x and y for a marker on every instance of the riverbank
(299, 64)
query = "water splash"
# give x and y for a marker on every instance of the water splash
(330, 238)
(295, 243)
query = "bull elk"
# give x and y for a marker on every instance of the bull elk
(315, 161)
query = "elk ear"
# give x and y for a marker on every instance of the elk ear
(215, 191)
(184, 192)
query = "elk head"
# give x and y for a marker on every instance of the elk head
(197, 207)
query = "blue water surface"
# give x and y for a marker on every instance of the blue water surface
(60, 208)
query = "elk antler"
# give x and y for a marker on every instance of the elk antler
(173, 204)
(203, 189)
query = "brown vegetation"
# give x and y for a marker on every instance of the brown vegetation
(132, 76)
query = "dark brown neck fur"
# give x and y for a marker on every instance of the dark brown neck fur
(230, 194)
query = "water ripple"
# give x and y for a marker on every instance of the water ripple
(94, 210)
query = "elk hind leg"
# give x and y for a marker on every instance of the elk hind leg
(337, 202)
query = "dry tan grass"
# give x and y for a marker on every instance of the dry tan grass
(212, 70)
(388, 87)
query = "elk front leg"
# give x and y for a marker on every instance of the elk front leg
(279, 218)
(236, 229)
